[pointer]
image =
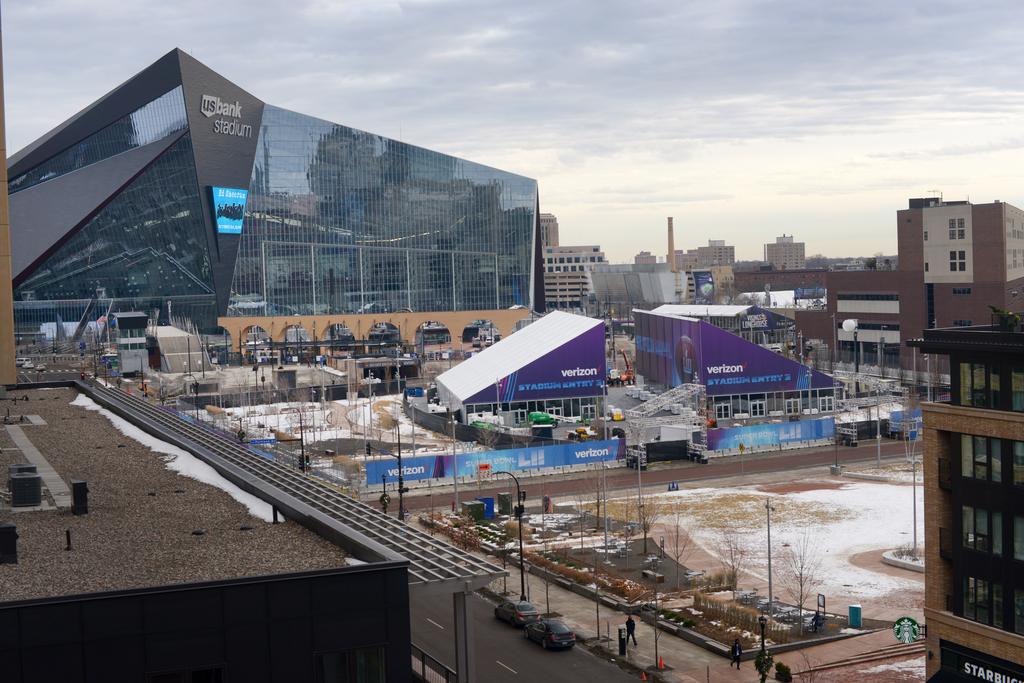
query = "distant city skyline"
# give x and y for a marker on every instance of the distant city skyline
(742, 120)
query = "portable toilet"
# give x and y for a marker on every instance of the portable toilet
(855, 616)
(488, 507)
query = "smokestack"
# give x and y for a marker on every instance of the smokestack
(671, 247)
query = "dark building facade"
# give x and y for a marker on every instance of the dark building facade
(328, 626)
(182, 193)
(974, 507)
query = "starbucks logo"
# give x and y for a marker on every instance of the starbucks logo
(906, 630)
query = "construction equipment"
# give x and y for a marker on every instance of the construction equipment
(539, 418)
(627, 376)
(579, 434)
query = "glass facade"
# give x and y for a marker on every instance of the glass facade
(343, 221)
(154, 121)
(145, 247)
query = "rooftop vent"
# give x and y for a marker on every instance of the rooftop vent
(18, 467)
(26, 489)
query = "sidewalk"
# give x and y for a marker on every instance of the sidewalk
(684, 662)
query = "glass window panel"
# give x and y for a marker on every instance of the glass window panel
(1018, 538)
(997, 605)
(431, 231)
(1018, 463)
(1017, 381)
(967, 521)
(997, 533)
(1018, 610)
(993, 381)
(966, 455)
(162, 117)
(965, 384)
(145, 247)
(995, 450)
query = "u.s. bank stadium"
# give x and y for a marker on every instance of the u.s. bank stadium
(180, 194)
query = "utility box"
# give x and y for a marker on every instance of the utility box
(474, 509)
(504, 503)
(488, 507)
(79, 497)
(8, 543)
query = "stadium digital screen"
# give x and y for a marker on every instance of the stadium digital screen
(228, 209)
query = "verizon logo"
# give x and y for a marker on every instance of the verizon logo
(579, 372)
(724, 369)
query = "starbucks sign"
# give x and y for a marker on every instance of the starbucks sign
(906, 630)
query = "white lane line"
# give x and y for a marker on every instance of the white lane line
(507, 667)
(435, 623)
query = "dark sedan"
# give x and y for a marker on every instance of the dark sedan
(550, 633)
(519, 613)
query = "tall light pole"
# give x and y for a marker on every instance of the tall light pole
(518, 511)
(771, 596)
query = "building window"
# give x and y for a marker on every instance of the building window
(961, 291)
(926, 266)
(1018, 611)
(925, 235)
(792, 406)
(365, 665)
(957, 260)
(757, 409)
(974, 523)
(722, 411)
(952, 228)
(976, 600)
(962, 323)
(1018, 463)
(980, 458)
(1017, 388)
(974, 388)
(1018, 538)
(825, 404)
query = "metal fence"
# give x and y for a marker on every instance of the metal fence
(426, 668)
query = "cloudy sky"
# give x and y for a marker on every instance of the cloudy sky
(742, 119)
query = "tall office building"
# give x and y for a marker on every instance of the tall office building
(567, 279)
(785, 254)
(974, 506)
(549, 229)
(179, 188)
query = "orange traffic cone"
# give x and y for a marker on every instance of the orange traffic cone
(661, 663)
(643, 676)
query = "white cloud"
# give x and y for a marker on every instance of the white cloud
(741, 118)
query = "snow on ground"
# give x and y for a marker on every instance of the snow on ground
(897, 473)
(911, 667)
(180, 461)
(841, 523)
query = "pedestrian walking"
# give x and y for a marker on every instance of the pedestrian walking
(737, 652)
(631, 629)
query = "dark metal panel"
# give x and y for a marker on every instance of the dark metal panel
(222, 160)
(45, 215)
(147, 85)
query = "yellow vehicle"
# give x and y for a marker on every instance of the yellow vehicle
(579, 434)
(617, 415)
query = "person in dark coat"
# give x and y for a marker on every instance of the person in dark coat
(737, 652)
(630, 629)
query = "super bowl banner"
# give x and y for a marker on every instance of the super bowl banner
(673, 351)
(228, 209)
(513, 459)
(703, 287)
(770, 434)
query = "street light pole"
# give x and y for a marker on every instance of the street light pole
(771, 599)
(518, 510)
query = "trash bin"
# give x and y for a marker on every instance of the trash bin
(622, 641)
(855, 620)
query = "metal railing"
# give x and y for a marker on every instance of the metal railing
(426, 668)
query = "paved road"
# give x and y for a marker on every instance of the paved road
(502, 653)
(757, 463)
(48, 375)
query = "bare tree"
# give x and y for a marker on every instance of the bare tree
(732, 553)
(801, 571)
(679, 542)
(650, 512)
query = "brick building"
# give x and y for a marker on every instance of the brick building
(955, 260)
(974, 507)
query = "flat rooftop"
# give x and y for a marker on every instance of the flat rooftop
(142, 515)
